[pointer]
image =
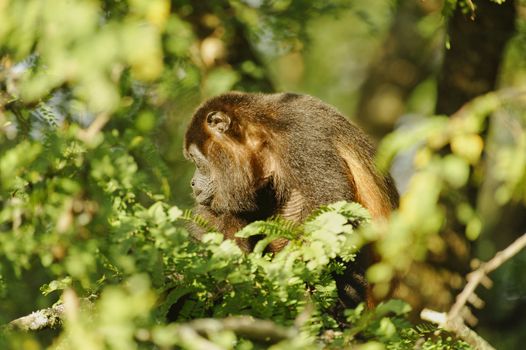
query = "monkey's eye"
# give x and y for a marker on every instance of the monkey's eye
(218, 121)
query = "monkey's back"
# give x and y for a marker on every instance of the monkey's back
(330, 158)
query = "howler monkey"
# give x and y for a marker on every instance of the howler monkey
(260, 155)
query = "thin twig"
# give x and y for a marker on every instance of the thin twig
(500, 96)
(476, 277)
(472, 8)
(95, 127)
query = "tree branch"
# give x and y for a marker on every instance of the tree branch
(50, 317)
(45, 318)
(192, 332)
(244, 326)
(453, 320)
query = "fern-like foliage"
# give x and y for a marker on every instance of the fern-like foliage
(190, 217)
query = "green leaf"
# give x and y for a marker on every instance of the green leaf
(56, 285)
(397, 307)
(455, 171)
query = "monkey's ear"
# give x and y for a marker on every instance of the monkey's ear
(218, 121)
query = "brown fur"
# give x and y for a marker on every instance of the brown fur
(280, 154)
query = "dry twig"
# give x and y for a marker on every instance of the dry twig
(87, 135)
(453, 320)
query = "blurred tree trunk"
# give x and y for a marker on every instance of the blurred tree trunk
(408, 58)
(471, 68)
(472, 63)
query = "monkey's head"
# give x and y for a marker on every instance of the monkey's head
(230, 146)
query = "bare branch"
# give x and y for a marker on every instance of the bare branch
(53, 316)
(189, 336)
(458, 327)
(244, 326)
(453, 321)
(480, 274)
(192, 332)
(45, 318)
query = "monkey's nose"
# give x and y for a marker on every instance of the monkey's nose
(192, 183)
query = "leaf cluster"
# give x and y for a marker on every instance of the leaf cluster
(83, 216)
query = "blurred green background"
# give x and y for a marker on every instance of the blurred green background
(137, 70)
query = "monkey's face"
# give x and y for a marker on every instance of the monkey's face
(229, 169)
(202, 186)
